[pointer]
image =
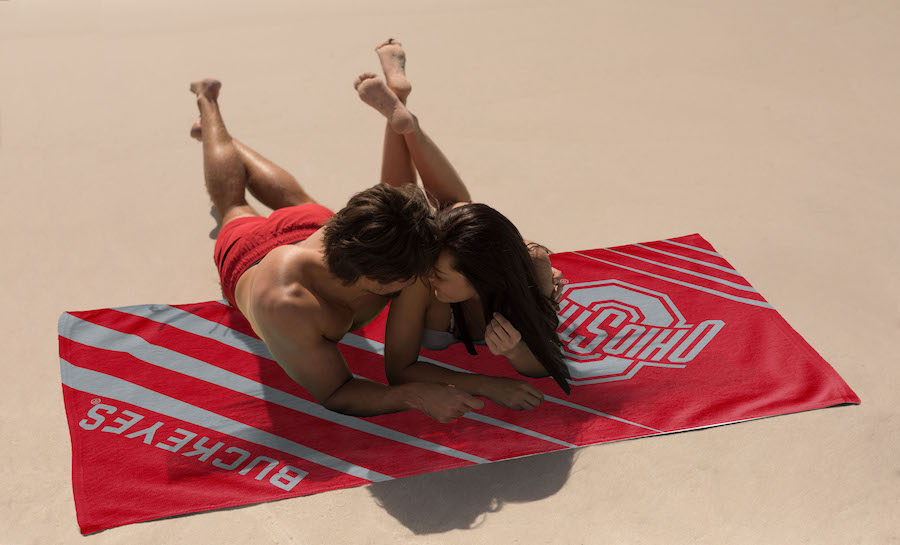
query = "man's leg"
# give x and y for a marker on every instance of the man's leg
(268, 182)
(223, 170)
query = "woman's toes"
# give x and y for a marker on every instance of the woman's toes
(387, 42)
(361, 78)
(196, 131)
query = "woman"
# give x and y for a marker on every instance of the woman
(489, 286)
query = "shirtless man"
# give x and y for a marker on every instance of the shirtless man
(304, 277)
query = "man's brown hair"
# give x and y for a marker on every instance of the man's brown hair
(385, 233)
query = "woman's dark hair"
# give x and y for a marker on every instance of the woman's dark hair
(489, 251)
(385, 233)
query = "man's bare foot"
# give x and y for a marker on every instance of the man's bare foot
(196, 131)
(393, 62)
(374, 92)
(207, 87)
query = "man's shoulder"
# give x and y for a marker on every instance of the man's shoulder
(284, 273)
(283, 304)
(290, 311)
(292, 254)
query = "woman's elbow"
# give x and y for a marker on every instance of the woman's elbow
(397, 377)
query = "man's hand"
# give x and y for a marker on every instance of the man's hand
(500, 336)
(444, 402)
(513, 394)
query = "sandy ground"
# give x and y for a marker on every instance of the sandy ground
(768, 127)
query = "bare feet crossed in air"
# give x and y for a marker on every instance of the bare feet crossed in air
(375, 92)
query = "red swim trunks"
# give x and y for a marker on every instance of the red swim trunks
(244, 241)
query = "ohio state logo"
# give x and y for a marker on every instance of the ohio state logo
(611, 329)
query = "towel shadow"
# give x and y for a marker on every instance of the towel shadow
(457, 498)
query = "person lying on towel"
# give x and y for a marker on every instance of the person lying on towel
(304, 276)
(488, 287)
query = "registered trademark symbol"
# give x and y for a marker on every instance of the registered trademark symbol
(95, 401)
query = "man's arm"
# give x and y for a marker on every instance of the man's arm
(313, 361)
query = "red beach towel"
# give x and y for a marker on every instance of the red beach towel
(175, 409)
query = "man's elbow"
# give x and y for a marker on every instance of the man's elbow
(337, 400)
(335, 403)
(332, 405)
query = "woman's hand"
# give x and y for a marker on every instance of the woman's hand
(511, 393)
(500, 336)
(556, 296)
(549, 278)
(443, 402)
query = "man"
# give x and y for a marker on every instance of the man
(304, 277)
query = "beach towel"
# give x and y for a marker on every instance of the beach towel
(176, 409)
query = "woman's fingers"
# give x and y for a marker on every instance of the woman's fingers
(534, 391)
(504, 325)
(503, 340)
(529, 402)
(557, 285)
(502, 335)
(490, 340)
(495, 342)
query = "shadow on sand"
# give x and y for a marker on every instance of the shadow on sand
(461, 498)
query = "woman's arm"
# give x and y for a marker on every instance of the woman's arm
(403, 336)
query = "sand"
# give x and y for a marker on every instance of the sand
(769, 128)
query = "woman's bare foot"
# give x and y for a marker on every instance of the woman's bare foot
(393, 62)
(374, 92)
(207, 87)
(196, 131)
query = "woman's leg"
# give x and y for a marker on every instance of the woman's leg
(223, 171)
(438, 175)
(268, 182)
(396, 164)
